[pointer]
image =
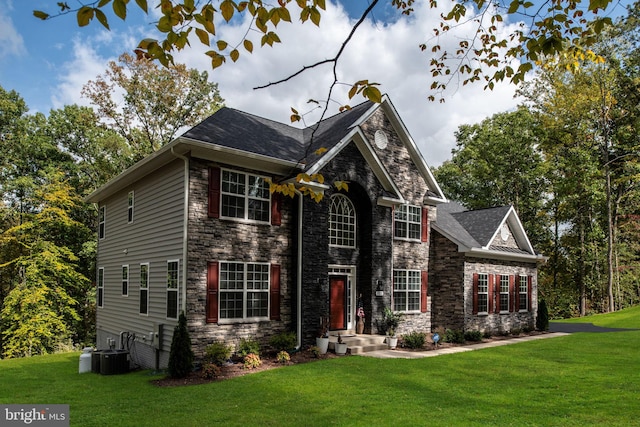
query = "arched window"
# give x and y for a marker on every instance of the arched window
(342, 222)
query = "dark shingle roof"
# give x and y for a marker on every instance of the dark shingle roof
(243, 131)
(472, 228)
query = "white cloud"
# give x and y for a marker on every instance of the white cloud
(384, 53)
(11, 42)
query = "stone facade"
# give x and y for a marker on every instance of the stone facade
(212, 239)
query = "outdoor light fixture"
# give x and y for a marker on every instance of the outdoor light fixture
(379, 291)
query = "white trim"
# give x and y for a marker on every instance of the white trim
(176, 290)
(122, 279)
(130, 207)
(102, 223)
(350, 272)
(406, 291)
(337, 200)
(100, 287)
(244, 290)
(141, 288)
(247, 198)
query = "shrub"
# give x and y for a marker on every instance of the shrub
(315, 351)
(210, 371)
(217, 353)
(284, 341)
(473, 336)
(283, 357)
(181, 354)
(247, 346)
(414, 339)
(453, 336)
(252, 361)
(542, 320)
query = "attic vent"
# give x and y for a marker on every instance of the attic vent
(380, 139)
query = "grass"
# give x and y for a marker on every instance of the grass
(628, 318)
(578, 380)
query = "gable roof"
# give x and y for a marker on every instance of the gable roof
(475, 230)
(242, 139)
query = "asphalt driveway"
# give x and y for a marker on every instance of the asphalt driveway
(582, 327)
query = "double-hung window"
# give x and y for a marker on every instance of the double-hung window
(130, 201)
(342, 222)
(100, 288)
(523, 293)
(244, 290)
(144, 288)
(102, 219)
(504, 293)
(125, 280)
(483, 293)
(245, 196)
(172, 289)
(406, 290)
(407, 222)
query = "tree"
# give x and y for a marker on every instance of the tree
(153, 112)
(496, 163)
(40, 311)
(181, 354)
(553, 28)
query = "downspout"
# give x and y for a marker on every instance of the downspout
(299, 275)
(185, 228)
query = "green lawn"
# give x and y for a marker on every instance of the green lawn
(578, 380)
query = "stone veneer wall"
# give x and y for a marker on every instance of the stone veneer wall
(446, 283)
(406, 255)
(499, 323)
(212, 239)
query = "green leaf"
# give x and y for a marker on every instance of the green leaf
(248, 45)
(84, 16)
(103, 3)
(102, 18)
(315, 16)
(142, 4)
(513, 7)
(221, 44)
(120, 9)
(234, 55)
(40, 14)
(203, 36)
(227, 8)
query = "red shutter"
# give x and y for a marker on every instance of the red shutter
(512, 293)
(214, 192)
(423, 291)
(425, 224)
(212, 292)
(516, 293)
(275, 292)
(529, 286)
(475, 293)
(276, 205)
(490, 293)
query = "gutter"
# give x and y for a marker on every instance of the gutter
(299, 275)
(185, 228)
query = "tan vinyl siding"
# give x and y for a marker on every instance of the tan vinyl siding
(154, 237)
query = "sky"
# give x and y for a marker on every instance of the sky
(48, 62)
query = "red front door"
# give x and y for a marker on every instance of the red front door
(338, 302)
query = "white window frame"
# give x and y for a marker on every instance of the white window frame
(102, 221)
(483, 289)
(243, 290)
(524, 280)
(503, 292)
(408, 284)
(403, 214)
(144, 288)
(342, 222)
(130, 207)
(246, 196)
(173, 286)
(125, 280)
(100, 288)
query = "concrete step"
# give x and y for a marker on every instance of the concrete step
(358, 344)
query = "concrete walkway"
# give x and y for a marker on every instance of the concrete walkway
(402, 354)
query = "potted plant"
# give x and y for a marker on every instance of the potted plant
(322, 340)
(340, 346)
(391, 321)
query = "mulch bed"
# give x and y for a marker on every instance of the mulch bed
(237, 369)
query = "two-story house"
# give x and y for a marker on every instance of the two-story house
(194, 228)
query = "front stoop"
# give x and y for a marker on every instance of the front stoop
(358, 344)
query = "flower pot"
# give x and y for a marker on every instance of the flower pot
(392, 342)
(341, 348)
(322, 344)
